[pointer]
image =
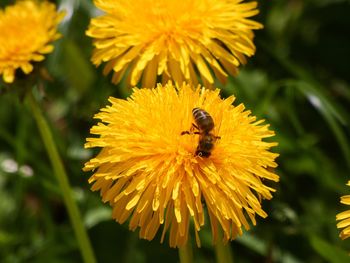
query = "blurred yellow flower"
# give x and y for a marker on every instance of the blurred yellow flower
(149, 172)
(177, 40)
(344, 217)
(27, 30)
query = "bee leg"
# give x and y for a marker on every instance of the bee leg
(185, 132)
(189, 133)
(217, 137)
(194, 126)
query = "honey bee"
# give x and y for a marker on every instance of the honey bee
(204, 126)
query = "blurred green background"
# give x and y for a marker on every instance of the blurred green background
(298, 80)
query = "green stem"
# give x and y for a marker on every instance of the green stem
(61, 175)
(223, 252)
(185, 253)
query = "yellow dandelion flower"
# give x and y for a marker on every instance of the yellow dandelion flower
(176, 40)
(149, 172)
(27, 30)
(344, 217)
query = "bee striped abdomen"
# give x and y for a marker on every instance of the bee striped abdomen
(203, 120)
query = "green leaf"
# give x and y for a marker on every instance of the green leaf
(328, 110)
(328, 251)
